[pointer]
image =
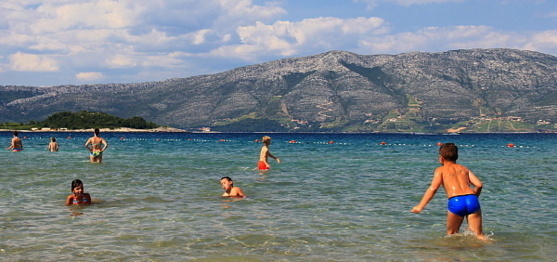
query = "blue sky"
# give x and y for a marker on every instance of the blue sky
(58, 42)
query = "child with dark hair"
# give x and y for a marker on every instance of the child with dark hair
(229, 189)
(78, 196)
(462, 198)
(96, 146)
(53, 145)
(16, 144)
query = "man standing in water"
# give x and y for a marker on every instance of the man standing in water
(96, 146)
(17, 144)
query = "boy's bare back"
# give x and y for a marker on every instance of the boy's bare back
(456, 179)
(462, 198)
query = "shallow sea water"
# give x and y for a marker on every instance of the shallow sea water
(159, 197)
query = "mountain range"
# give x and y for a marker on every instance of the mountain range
(477, 90)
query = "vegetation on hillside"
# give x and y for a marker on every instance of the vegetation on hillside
(83, 120)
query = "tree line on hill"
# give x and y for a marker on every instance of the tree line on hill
(83, 120)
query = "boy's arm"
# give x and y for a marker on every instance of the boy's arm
(474, 180)
(69, 200)
(274, 157)
(430, 192)
(12, 144)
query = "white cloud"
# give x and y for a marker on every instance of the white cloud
(89, 76)
(121, 61)
(106, 14)
(545, 40)
(118, 33)
(309, 35)
(31, 62)
(162, 38)
(374, 3)
(428, 39)
(459, 37)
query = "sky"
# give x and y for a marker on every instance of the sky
(73, 42)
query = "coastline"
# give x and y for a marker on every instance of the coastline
(177, 130)
(106, 130)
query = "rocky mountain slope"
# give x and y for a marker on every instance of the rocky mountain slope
(333, 91)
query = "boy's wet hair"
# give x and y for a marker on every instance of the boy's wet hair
(228, 179)
(76, 183)
(449, 151)
(266, 139)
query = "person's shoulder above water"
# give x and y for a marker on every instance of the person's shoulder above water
(229, 189)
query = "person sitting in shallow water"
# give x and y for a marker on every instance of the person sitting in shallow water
(78, 196)
(229, 189)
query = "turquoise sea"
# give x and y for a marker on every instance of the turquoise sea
(350, 200)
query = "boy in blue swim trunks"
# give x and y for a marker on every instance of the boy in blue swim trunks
(463, 199)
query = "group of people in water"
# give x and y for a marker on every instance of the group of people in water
(461, 185)
(95, 144)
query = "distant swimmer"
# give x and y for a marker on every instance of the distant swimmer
(265, 154)
(96, 146)
(53, 145)
(78, 196)
(16, 144)
(229, 189)
(463, 200)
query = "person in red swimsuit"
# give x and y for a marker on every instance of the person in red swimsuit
(265, 154)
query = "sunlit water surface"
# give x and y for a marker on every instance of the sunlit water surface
(159, 197)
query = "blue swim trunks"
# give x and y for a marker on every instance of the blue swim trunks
(463, 205)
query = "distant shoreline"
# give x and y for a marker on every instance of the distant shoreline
(177, 130)
(116, 130)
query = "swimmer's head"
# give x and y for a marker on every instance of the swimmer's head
(76, 183)
(226, 183)
(449, 152)
(266, 140)
(96, 131)
(16, 133)
(53, 139)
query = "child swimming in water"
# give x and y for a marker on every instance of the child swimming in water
(463, 200)
(78, 196)
(229, 189)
